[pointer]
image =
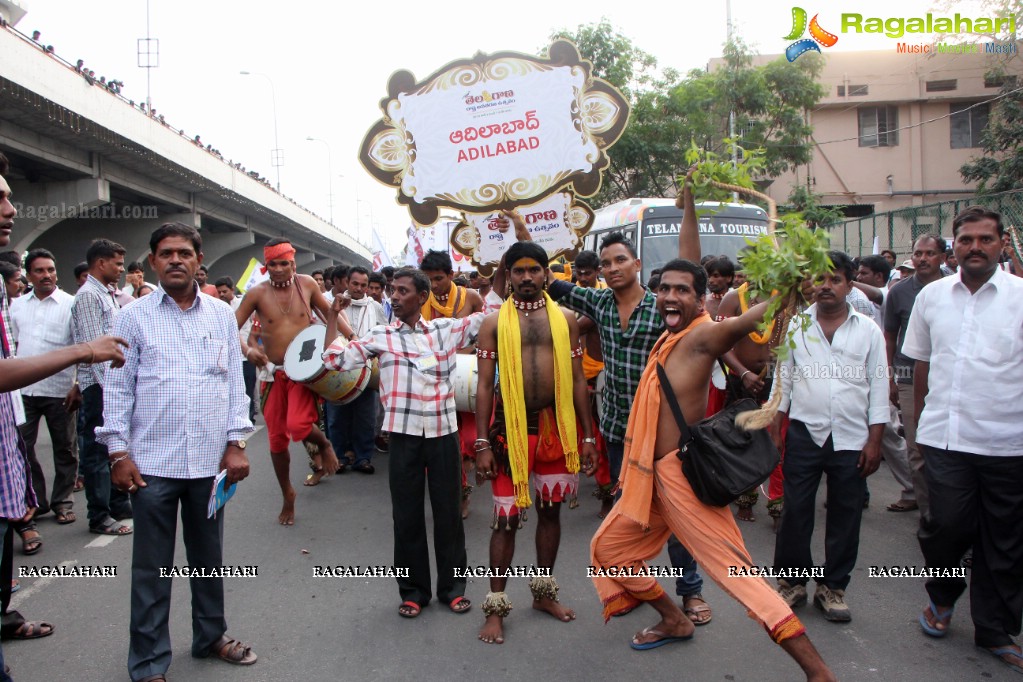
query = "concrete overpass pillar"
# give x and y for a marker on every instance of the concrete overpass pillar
(216, 245)
(304, 258)
(318, 264)
(42, 205)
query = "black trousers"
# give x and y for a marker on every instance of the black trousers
(63, 432)
(415, 464)
(156, 518)
(102, 499)
(805, 463)
(976, 500)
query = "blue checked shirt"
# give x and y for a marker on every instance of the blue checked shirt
(92, 316)
(16, 493)
(180, 396)
(625, 351)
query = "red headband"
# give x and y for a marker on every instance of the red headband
(282, 250)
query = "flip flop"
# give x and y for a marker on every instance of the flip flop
(1001, 651)
(460, 605)
(664, 639)
(64, 516)
(111, 527)
(413, 609)
(32, 630)
(31, 545)
(902, 506)
(945, 618)
(693, 611)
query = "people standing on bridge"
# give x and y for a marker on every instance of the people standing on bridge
(92, 316)
(535, 347)
(968, 327)
(417, 359)
(166, 447)
(18, 499)
(42, 323)
(284, 305)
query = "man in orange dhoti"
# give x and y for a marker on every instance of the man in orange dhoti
(657, 499)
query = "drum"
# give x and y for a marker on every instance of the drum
(464, 380)
(303, 364)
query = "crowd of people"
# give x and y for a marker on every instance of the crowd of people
(580, 370)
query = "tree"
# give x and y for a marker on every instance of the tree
(669, 111)
(1000, 169)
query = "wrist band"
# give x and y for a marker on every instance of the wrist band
(591, 441)
(92, 353)
(118, 459)
(748, 371)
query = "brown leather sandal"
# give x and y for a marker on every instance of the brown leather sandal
(232, 651)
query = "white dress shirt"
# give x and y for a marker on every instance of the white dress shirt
(838, 388)
(974, 344)
(41, 326)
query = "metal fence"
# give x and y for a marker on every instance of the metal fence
(897, 230)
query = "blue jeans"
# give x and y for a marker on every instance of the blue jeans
(615, 455)
(691, 581)
(353, 426)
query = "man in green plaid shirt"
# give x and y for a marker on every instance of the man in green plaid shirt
(626, 317)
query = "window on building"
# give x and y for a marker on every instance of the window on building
(879, 126)
(997, 80)
(854, 90)
(941, 86)
(968, 121)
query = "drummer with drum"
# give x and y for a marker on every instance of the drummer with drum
(284, 305)
(417, 359)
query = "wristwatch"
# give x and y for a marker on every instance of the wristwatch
(240, 444)
(591, 441)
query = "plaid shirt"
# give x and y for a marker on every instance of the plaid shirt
(417, 402)
(16, 493)
(625, 352)
(180, 396)
(92, 316)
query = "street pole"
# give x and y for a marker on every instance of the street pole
(276, 154)
(330, 177)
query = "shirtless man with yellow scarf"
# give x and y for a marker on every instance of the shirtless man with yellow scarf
(447, 299)
(536, 347)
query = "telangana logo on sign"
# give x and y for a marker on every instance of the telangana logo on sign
(817, 35)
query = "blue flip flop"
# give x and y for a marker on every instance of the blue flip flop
(945, 618)
(1001, 651)
(664, 639)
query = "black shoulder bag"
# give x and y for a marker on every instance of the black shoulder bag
(720, 460)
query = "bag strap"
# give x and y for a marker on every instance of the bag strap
(731, 394)
(676, 409)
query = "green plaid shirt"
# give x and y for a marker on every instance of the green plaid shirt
(625, 352)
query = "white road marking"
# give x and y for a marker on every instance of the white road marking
(26, 592)
(102, 541)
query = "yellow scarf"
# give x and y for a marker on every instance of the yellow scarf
(757, 337)
(509, 353)
(432, 309)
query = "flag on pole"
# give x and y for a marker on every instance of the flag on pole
(877, 245)
(380, 256)
(252, 276)
(415, 248)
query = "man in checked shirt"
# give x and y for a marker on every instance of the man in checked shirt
(416, 361)
(166, 447)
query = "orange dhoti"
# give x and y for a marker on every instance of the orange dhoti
(709, 533)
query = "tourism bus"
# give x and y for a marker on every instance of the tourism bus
(652, 225)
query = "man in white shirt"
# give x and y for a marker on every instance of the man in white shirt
(349, 425)
(834, 388)
(872, 279)
(970, 432)
(42, 323)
